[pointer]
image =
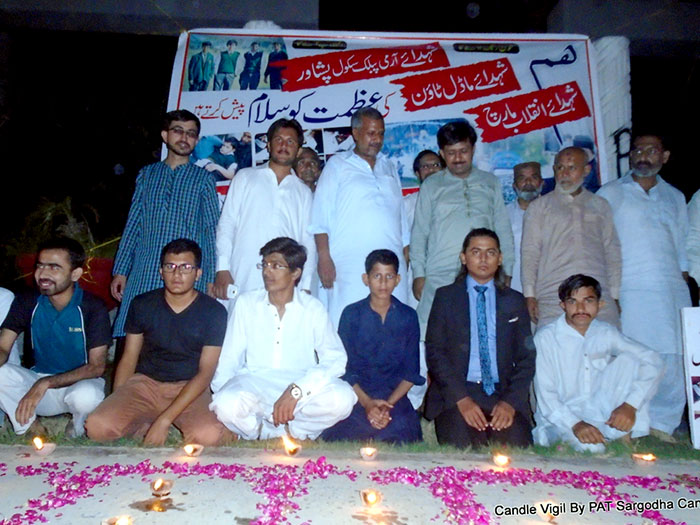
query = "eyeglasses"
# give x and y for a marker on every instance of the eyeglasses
(271, 266)
(638, 152)
(184, 268)
(190, 132)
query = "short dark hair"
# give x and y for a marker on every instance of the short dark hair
(419, 157)
(294, 253)
(524, 165)
(575, 282)
(182, 115)
(75, 250)
(285, 123)
(641, 132)
(181, 246)
(382, 257)
(366, 112)
(454, 132)
(479, 232)
(231, 42)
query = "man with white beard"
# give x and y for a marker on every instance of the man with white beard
(651, 219)
(527, 184)
(566, 232)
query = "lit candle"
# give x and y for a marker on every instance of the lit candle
(371, 497)
(644, 459)
(161, 487)
(193, 450)
(368, 453)
(501, 460)
(41, 448)
(290, 447)
(118, 520)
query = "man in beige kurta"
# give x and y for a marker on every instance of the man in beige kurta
(566, 232)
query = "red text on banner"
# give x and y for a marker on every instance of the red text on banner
(448, 86)
(524, 113)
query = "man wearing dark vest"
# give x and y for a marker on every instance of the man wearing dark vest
(226, 70)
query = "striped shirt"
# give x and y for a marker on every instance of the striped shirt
(167, 204)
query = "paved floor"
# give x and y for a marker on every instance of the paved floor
(84, 485)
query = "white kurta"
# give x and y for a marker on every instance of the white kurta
(653, 228)
(581, 378)
(6, 298)
(693, 242)
(409, 208)
(360, 209)
(263, 354)
(257, 210)
(516, 215)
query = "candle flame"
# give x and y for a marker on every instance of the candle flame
(189, 449)
(368, 452)
(123, 520)
(38, 443)
(290, 446)
(648, 458)
(501, 460)
(158, 484)
(371, 497)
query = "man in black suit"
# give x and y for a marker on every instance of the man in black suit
(480, 355)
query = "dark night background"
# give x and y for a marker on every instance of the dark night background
(79, 104)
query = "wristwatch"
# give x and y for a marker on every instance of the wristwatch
(295, 391)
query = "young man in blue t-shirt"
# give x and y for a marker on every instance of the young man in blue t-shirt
(70, 333)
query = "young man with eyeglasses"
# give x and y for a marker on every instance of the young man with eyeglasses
(381, 337)
(69, 332)
(174, 337)
(173, 199)
(263, 203)
(281, 360)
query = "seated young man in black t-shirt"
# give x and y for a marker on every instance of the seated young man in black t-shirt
(173, 340)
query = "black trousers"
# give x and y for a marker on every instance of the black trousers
(452, 429)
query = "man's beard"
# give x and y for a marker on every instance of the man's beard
(568, 191)
(528, 195)
(647, 171)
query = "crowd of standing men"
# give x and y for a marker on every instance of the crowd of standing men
(256, 321)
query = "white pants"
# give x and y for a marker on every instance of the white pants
(666, 407)
(417, 392)
(244, 404)
(79, 399)
(609, 390)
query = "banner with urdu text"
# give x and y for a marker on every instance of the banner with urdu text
(527, 95)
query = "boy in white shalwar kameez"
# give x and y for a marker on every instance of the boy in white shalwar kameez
(592, 383)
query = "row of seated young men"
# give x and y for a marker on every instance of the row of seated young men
(277, 366)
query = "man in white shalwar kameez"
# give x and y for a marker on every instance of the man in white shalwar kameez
(357, 208)
(263, 203)
(693, 241)
(592, 383)
(281, 360)
(651, 220)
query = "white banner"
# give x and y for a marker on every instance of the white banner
(691, 350)
(527, 95)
